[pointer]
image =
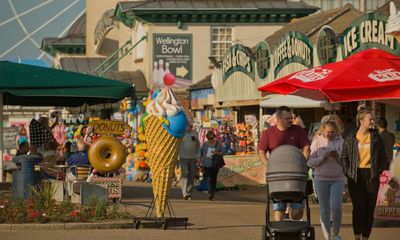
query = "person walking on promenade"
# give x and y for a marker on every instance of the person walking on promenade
(284, 132)
(210, 147)
(189, 153)
(363, 159)
(328, 177)
(387, 137)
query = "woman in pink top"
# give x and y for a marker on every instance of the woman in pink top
(329, 178)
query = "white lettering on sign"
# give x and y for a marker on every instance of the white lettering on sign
(369, 31)
(236, 58)
(292, 47)
(311, 75)
(384, 75)
(171, 50)
(170, 45)
(173, 41)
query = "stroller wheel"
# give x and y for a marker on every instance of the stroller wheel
(310, 235)
(265, 235)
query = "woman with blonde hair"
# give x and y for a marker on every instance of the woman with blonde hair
(363, 158)
(328, 177)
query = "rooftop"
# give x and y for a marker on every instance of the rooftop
(211, 11)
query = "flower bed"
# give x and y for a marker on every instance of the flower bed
(41, 208)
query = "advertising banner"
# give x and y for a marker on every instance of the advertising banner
(388, 201)
(172, 53)
(242, 170)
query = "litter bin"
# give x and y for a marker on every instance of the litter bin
(25, 176)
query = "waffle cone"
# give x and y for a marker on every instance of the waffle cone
(163, 154)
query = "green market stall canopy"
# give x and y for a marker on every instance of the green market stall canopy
(29, 85)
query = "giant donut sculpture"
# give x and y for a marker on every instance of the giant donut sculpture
(107, 154)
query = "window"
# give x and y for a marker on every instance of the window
(221, 41)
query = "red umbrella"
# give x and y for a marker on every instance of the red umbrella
(372, 74)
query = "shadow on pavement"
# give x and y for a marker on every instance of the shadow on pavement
(135, 192)
(222, 227)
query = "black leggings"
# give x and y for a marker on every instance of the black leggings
(211, 174)
(363, 195)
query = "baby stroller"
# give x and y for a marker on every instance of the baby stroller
(287, 180)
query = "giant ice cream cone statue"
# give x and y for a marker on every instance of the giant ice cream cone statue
(393, 23)
(165, 125)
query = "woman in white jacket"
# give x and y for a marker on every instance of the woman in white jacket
(328, 177)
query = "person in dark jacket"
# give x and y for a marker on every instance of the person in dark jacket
(363, 158)
(209, 148)
(387, 137)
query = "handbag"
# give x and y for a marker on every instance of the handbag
(218, 161)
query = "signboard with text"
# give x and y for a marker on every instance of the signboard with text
(367, 32)
(242, 170)
(388, 201)
(237, 59)
(172, 53)
(293, 47)
(9, 136)
(109, 127)
(263, 59)
(327, 45)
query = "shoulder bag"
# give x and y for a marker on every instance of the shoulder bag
(218, 159)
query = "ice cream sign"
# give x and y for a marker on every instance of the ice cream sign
(293, 47)
(366, 32)
(238, 59)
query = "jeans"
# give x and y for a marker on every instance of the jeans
(279, 206)
(188, 168)
(363, 195)
(330, 198)
(211, 174)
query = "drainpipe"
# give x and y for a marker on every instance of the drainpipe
(363, 6)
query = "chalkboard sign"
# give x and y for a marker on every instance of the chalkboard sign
(9, 135)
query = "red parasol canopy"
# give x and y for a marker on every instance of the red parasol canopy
(372, 74)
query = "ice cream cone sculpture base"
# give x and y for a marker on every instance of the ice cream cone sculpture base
(164, 222)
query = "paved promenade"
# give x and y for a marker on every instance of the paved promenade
(236, 214)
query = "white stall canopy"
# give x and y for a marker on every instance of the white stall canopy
(292, 101)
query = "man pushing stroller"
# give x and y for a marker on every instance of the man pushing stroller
(284, 133)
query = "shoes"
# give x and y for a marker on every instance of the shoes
(211, 198)
(187, 197)
(336, 238)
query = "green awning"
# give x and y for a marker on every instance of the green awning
(38, 86)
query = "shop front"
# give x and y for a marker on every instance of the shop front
(237, 108)
(305, 43)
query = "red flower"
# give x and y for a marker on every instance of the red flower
(74, 213)
(31, 213)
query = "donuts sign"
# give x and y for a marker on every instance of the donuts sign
(107, 127)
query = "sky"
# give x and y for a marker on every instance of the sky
(24, 23)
